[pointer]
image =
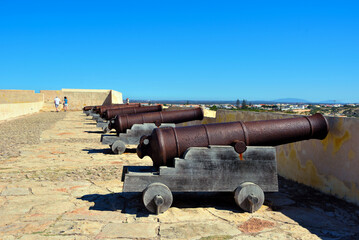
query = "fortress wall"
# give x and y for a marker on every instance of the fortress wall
(20, 96)
(12, 110)
(78, 98)
(330, 165)
(14, 103)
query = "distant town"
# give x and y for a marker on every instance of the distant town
(335, 109)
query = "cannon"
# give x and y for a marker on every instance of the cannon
(98, 110)
(167, 143)
(236, 157)
(101, 109)
(137, 125)
(86, 108)
(103, 121)
(111, 113)
(124, 122)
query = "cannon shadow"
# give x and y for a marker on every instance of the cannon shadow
(98, 132)
(107, 151)
(321, 214)
(131, 202)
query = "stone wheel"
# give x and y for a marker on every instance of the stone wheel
(106, 129)
(118, 147)
(249, 197)
(157, 198)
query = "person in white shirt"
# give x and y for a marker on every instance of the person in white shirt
(57, 102)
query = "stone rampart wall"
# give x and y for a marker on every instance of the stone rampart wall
(20, 96)
(78, 98)
(15, 103)
(12, 110)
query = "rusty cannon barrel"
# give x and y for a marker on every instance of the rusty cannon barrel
(87, 108)
(111, 113)
(101, 109)
(164, 144)
(123, 122)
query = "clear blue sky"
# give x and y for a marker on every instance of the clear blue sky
(190, 50)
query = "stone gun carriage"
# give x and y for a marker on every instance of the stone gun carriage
(234, 157)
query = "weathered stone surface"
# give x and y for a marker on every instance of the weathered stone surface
(8, 218)
(129, 230)
(13, 191)
(173, 215)
(53, 208)
(84, 213)
(197, 230)
(47, 237)
(255, 225)
(78, 227)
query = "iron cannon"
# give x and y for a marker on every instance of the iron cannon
(164, 144)
(103, 108)
(111, 113)
(123, 122)
(87, 108)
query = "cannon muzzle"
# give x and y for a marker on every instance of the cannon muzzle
(111, 113)
(164, 144)
(123, 122)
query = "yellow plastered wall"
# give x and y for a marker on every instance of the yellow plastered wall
(20, 96)
(78, 98)
(330, 165)
(15, 103)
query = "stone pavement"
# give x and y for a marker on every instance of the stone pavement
(69, 187)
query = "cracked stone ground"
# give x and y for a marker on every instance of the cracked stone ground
(66, 185)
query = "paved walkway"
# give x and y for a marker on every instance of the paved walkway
(68, 187)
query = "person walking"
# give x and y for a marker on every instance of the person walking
(57, 102)
(65, 103)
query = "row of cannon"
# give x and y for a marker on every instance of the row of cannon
(203, 157)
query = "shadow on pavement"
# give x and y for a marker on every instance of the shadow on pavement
(107, 150)
(130, 203)
(102, 150)
(101, 132)
(324, 215)
(321, 214)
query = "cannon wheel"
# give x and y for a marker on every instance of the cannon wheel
(249, 196)
(118, 147)
(106, 129)
(157, 198)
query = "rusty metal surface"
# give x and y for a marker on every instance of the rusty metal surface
(103, 108)
(87, 108)
(167, 143)
(123, 122)
(111, 113)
